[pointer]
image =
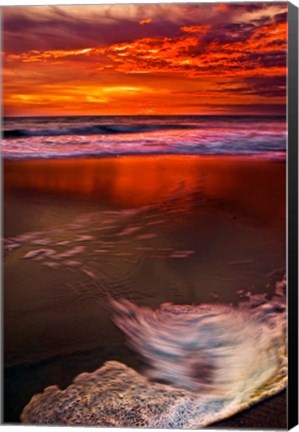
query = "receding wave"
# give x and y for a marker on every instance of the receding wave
(91, 130)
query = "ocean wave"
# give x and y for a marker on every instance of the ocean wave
(95, 136)
(92, 130)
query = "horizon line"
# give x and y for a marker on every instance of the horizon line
(146, 115)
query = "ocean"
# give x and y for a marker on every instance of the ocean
(46, 137)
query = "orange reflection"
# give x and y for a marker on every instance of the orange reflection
(252, 188)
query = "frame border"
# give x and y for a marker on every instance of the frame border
(292, 227)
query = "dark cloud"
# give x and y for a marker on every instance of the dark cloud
(229, 33)
(266, 59)
(252, 7)
(274, 86)
(59, 30)
(264, 20)
(275, 58)
(244, 109)
(262, 109)
(281, 18)
(247, 7)
(76, 27)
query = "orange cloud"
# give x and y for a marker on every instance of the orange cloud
(145, 21)
(195, 29)
(50, 55)
(222, 7)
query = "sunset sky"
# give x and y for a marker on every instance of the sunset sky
(205, 58)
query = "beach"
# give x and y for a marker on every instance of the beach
(152, 229)
(144, 153)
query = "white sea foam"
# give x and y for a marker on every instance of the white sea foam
(217, 349)
(218, 360)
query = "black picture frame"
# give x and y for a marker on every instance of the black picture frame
(292, 229)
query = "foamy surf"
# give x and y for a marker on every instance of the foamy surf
(44, 137)
(215, 361)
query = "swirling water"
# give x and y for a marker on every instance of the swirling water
(245, 346)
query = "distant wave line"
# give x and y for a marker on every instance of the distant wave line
(93, 130)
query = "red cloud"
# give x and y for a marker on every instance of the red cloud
(262, 53)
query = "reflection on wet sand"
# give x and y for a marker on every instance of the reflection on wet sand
(246, 186)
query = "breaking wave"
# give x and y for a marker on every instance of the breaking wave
(91, 130)
(35, 137)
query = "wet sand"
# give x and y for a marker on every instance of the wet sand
(251, 186)
(229, 210)
(268, 414)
